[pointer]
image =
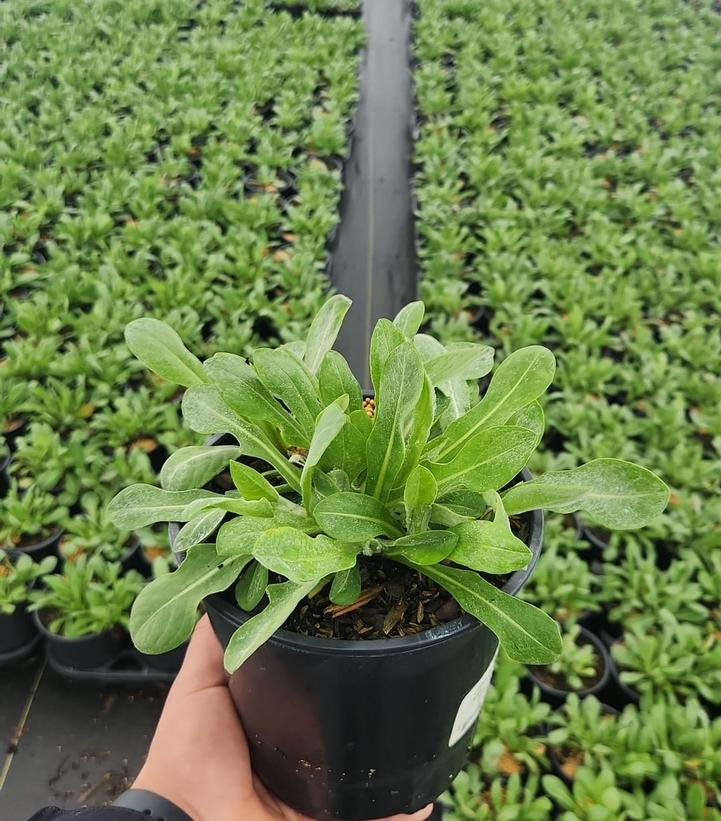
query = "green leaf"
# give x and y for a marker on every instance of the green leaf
(488, 461)
(426, 547)
(162, 351)
(519, 380)
(302, 558)
(463, 360)
(246, 395)
(289, 380)
(328, 426)
(238, 536)
(526, 633)
(324, 330)
(400, 389)
(428, 346)
(242, 507)
(335, 378)
(346, 587)
(347, 452)
(199, 528)
(165, 612)
(282, 601)
(355, 517)
(421, 421)
(616, 494)
(251, 586)
(493, 499)
(205, 412)
(418, 497)
(466, 503)
(385, 339)
(141, 505)
(489, 547)
(410, 318)
(530, 417)
(251, 484)
(195, 466)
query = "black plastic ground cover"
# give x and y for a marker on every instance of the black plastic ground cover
(373, 259)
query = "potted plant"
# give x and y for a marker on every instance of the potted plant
(593, 795)
(585, 732)
(510, 735)
(30, 521)
(389, 535)
(474, 799)
(84, 611)
(92, 533)
(582, 667)
(16, 577)
(564, 586)
(679, 660)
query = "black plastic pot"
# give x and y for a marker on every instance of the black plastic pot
(14, 428)
(618, 693)
(557, 696)
(169, 662)
(4, 476)
(16, 630)
(363, 729)
(39, 550)
(598, 539)
(85, 653)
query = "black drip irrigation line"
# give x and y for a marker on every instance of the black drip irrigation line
(373, 258)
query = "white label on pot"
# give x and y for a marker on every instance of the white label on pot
(471, 705)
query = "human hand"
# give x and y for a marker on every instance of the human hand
(199, 757)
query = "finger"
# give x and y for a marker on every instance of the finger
(420, 815)
(203, 665)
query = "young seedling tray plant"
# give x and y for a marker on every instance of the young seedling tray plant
(84, 611)
(678, 660)
(16, 578)
(30, 521)
(583, 667)
(403, 511)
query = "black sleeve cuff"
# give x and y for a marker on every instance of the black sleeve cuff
(90, 814)
(151, 806)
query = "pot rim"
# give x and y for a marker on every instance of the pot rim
(34, 547)
(397, 644)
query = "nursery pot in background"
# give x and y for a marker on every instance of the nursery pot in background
(84, 653)
(40, 549)
(350, 730)
(4, 478)
(16, 630)
(557, 695)
(169, 662)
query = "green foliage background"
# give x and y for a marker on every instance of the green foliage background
(567, 185)
(175, 159)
